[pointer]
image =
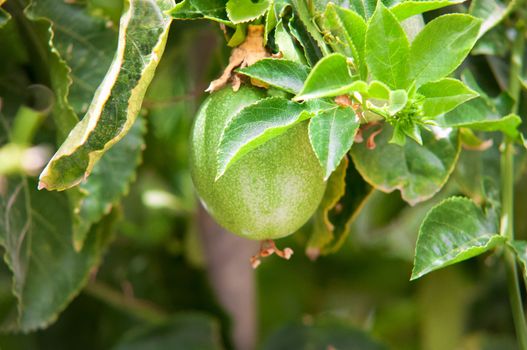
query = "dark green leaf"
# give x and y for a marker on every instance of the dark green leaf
(323, 334)
(387, 48)
(184, 331)
(306, 17)
(322, 233)
(331, 134)
(110, 180)
(453, 231)
(444, 95)
(309, 44)
(493, 43)
(442, 46)
(254, 125)
(78, 35)
(36, 231)
(201, 9)
(330, 77)
(520, 249)
(242, 11)
(4, 17)
(342, 215)
(118, 99)
(417, 171)
(283, 74)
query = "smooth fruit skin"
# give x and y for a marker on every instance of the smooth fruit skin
(268, 193)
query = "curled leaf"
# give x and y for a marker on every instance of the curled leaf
(118, 99)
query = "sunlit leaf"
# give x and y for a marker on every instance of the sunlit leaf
(441, 47)
(444, 95)
(283, 74)
(409, 8)
(387, 48)
(329, 77)
(242, 11)
(331, 134)
(254, 125)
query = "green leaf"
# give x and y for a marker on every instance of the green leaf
(442, 46)
(118, 99)
(329, 77)
(109, 181)
(477, 115)
(322, 233)
(323, 332)
(520, 249)
(453, 231)
(365, 8)
(283, 74)
(444, 95)
(493, 43)
(239, 35)
(387, 48)
(409, 8)
(201, 9)
(35, 231)
(397, 101)
(285, 43)
(4, 17)
(189, 331)
(305, 16)
(77, 35)
(483, 113)
(242, 11)
(309, 44)
(254, 125)
(348, 30)
(417, 171)
(331, 134)
(492, 12)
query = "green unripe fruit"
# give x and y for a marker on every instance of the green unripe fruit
(268, 193)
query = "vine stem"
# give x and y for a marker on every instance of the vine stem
(507, 230)
(139, 309)
(507, 181)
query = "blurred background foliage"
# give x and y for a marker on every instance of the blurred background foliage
(152, 290)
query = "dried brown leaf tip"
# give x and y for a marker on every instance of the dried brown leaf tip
(268, 248)
(247, 53)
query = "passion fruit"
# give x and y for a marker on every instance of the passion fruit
(271, 191)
